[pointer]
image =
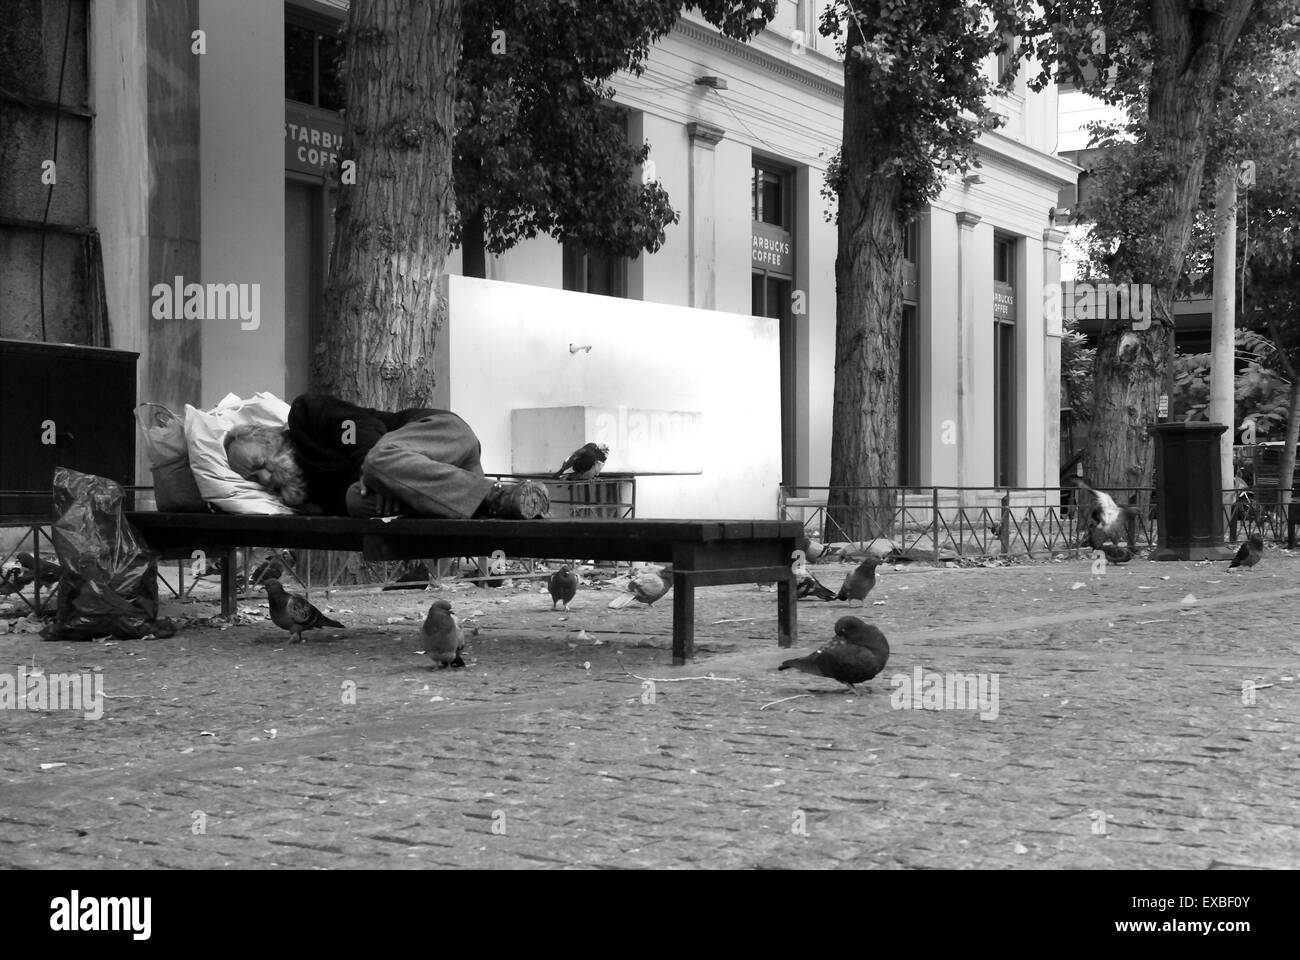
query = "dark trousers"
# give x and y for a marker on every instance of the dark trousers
(431, 465)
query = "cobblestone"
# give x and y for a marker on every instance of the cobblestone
(1119, 704)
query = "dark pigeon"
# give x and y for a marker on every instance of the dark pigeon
(810, 586)
(1114, 554)
(563, 586)
(858, 652)
(860, 581)
(293, 613)
(585, 462)
(1250, 553)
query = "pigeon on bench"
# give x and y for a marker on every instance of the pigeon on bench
(293, 613)
(586, 462)
(443, 638)
(1250, 553)
(858, 652)
(563, 586)
(860, 581)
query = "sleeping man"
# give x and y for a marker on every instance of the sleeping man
(348, 460)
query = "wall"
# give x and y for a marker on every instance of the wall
(241, 141)
(508, 348)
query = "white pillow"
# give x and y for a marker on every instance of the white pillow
(205, 434)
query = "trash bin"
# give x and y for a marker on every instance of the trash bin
(1189, 492)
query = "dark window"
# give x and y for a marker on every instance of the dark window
(312, 51)
(1004, 362)
(1007, 60)
(911, 241)
(909, 399)
(586, 271)
(770, 197)
(1002, 264)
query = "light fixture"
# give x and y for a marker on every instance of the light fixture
(717, 83)
(584, 348)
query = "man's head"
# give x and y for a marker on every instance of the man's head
(265, 456)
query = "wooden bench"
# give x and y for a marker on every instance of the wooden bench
(702, 552)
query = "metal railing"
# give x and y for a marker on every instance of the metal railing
(931, 522)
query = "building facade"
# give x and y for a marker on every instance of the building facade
(215, 127)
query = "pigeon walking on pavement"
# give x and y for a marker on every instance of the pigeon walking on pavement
(1107, 514)
(858, 652)
(1250, 553)
(563, 586)
(810, 586)
(294, 613)
(859, 581)
(647, 587)
(585, 463)
(443, 638)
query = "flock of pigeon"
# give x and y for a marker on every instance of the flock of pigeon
(858, 652)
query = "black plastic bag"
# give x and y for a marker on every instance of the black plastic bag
(109, 582)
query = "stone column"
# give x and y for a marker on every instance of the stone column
(967, 266)
(703, 220)
(1053, 332)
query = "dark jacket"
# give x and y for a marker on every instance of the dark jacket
(330, 453)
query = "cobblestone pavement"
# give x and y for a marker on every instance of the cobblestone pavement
(1122, 736)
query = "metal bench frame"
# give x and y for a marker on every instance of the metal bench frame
(702, 552)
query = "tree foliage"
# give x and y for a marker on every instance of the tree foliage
(540, 146)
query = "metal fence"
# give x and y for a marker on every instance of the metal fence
(938, 523)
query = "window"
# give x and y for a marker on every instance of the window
(587, 271)
(1004, 362)
(770, 197)
(909, 398)
(312, 51)
(1002, 267)
(1007, 60)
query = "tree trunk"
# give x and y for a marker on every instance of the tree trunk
(472, 252)
(1286, 470)
(383, 303)
(1223, 323)
(868, 316)
(1134, 367)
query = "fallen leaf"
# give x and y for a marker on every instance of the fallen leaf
(1021, 848)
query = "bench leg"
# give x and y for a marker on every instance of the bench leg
(228, 604)
(787, 613)
(683, 619)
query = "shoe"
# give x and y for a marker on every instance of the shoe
(526, 500)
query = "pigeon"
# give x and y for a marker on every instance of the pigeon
(1114, 554)
(563, 585)
(859, 581)
(586, 462)
(1107, 514)
(1251, 552)
(649, 586)
(810, 586)
(858, 652)
(293, 613)
(443, 639)
(48, 574)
